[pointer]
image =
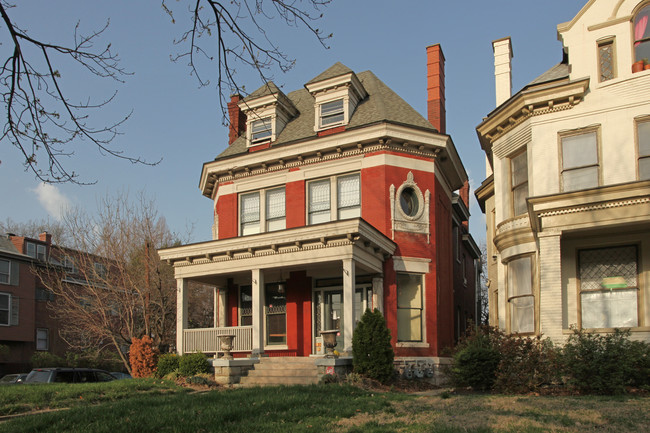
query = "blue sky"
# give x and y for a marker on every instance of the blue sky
(177, 121)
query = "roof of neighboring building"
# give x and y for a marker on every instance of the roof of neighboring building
(381, 105)
(7, 247)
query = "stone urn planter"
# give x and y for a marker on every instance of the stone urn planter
(329, 341)
(227, 344)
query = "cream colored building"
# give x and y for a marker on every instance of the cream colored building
(567, 194)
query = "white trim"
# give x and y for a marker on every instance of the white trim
(8, 283)
(415, 265)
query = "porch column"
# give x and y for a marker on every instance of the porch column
(348, 303)
(181, 313)
(378, 294)
(220, 304)
(257, 283)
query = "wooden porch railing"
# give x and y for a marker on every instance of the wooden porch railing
(206, 340)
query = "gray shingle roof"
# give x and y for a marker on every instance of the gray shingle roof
(381, 105)
(268, 89)
(6, 246)
(336, 70)
(557, 72)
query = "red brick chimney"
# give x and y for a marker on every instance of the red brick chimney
(45, 237)
(436, 112)
(237, 119)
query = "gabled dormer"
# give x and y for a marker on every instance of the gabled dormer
(267, 111)
(336, 92)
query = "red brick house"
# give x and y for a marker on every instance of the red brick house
(331, 199)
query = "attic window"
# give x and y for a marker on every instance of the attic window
(261, 130)
(332, 113)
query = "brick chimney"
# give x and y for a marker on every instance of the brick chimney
(436, 112)
(237, 119)
(45, 237)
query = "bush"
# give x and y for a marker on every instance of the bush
(143, 357)
(191, 364)
(47, 359)
(371, 349)
(167, 363)
(477, 358)
(603, 364)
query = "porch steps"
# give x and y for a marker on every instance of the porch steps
(282, 371)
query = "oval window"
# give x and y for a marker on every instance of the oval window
(409, 201)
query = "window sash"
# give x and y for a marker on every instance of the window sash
(250, 213)
(521, 299)
(581, 178)
(349, 196)
(42, 339)
(643, 138)
(606, 60)
(40, 252)
(519, 181)
(319, 201)
(332, 112)
(30, 248)
(409, 307)
(275, 204)
(5, 271)
(261, 130)
(5, 309)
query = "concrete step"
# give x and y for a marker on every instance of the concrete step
(284, 380)
(282, 371)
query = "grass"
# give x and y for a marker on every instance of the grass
(143, 406)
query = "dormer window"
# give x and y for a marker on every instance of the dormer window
(332, 113)
(261, 130)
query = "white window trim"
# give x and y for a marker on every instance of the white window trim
(263, 221)
(533, 294)
(343, 112)
(9, 312)
(265, 139)
(47, 339)
(8, 272)
(423, 330)
(582, 131)
(334, 206)
(639, 157)
(512, 157)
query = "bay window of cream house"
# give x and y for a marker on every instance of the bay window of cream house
(521, 294)
(608, 287)
(580, 160)
(643, 141)
(410, 307)
(519, 183)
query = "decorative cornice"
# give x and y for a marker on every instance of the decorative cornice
(593, 207)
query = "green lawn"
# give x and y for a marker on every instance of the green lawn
(147, 405)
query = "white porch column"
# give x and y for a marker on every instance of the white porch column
(181, 313)
(378, 294)
(348, 303)
(220, 302)
(550, 286)
(257, 282)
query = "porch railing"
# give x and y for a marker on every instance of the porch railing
(206, 340)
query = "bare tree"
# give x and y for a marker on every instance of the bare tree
(111, 286)
(483, 298)
(33, 228)
(42, 122)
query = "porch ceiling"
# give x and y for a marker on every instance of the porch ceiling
(321, 243)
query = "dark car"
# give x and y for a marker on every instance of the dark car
(13, 378)
(68, 375)
(119, 375)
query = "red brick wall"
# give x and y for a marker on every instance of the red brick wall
(295, 204)
(227, 210)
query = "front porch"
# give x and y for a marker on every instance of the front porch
(276, 291)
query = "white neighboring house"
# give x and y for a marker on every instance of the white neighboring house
(567, 194)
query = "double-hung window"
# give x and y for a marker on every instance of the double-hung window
(275, 209)
(642, 34)
(250, 213)
(42, 339)
(5, 309)
(332, 113)
(261, 130)
(319, 201)
(521, 297)
(609, 287)
(580, 168)
(519, 183)
(5, 271)
(349, 196)
(410, 310)
(643, 138)
(36, 251)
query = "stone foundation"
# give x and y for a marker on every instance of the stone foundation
(230, 371)
(431, 369)
(339, 367)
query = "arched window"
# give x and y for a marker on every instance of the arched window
(642, 34)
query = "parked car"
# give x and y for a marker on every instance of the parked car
(119, 375)
(8, 379)
(68, 375)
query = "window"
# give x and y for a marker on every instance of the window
(642, 34)
(319, 201)
(332, 113)
(276, 314)
(250, 213)
(275, 210)
(643, 138)
(606, 63)
(408, 201)
(609, 287)
(349, 196)
(455, 240)
(100, 270)
(43, 294)
(519, 183)
(580, 161)
(245, 306)
(261, 130)
(68, 264)
(5, 309)
(42, 339)
(36, 251)
(521, 299)
(5, 271)
(409, 307)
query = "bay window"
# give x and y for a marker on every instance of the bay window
(521, 297)
(580, 167)
(410, 309)
(609, 287)
(519, 183)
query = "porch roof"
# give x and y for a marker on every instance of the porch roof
(320, 243)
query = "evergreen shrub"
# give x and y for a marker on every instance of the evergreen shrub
(167, 363)
(371, 349)
(191, 364)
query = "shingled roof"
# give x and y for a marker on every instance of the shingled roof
(381, 105)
